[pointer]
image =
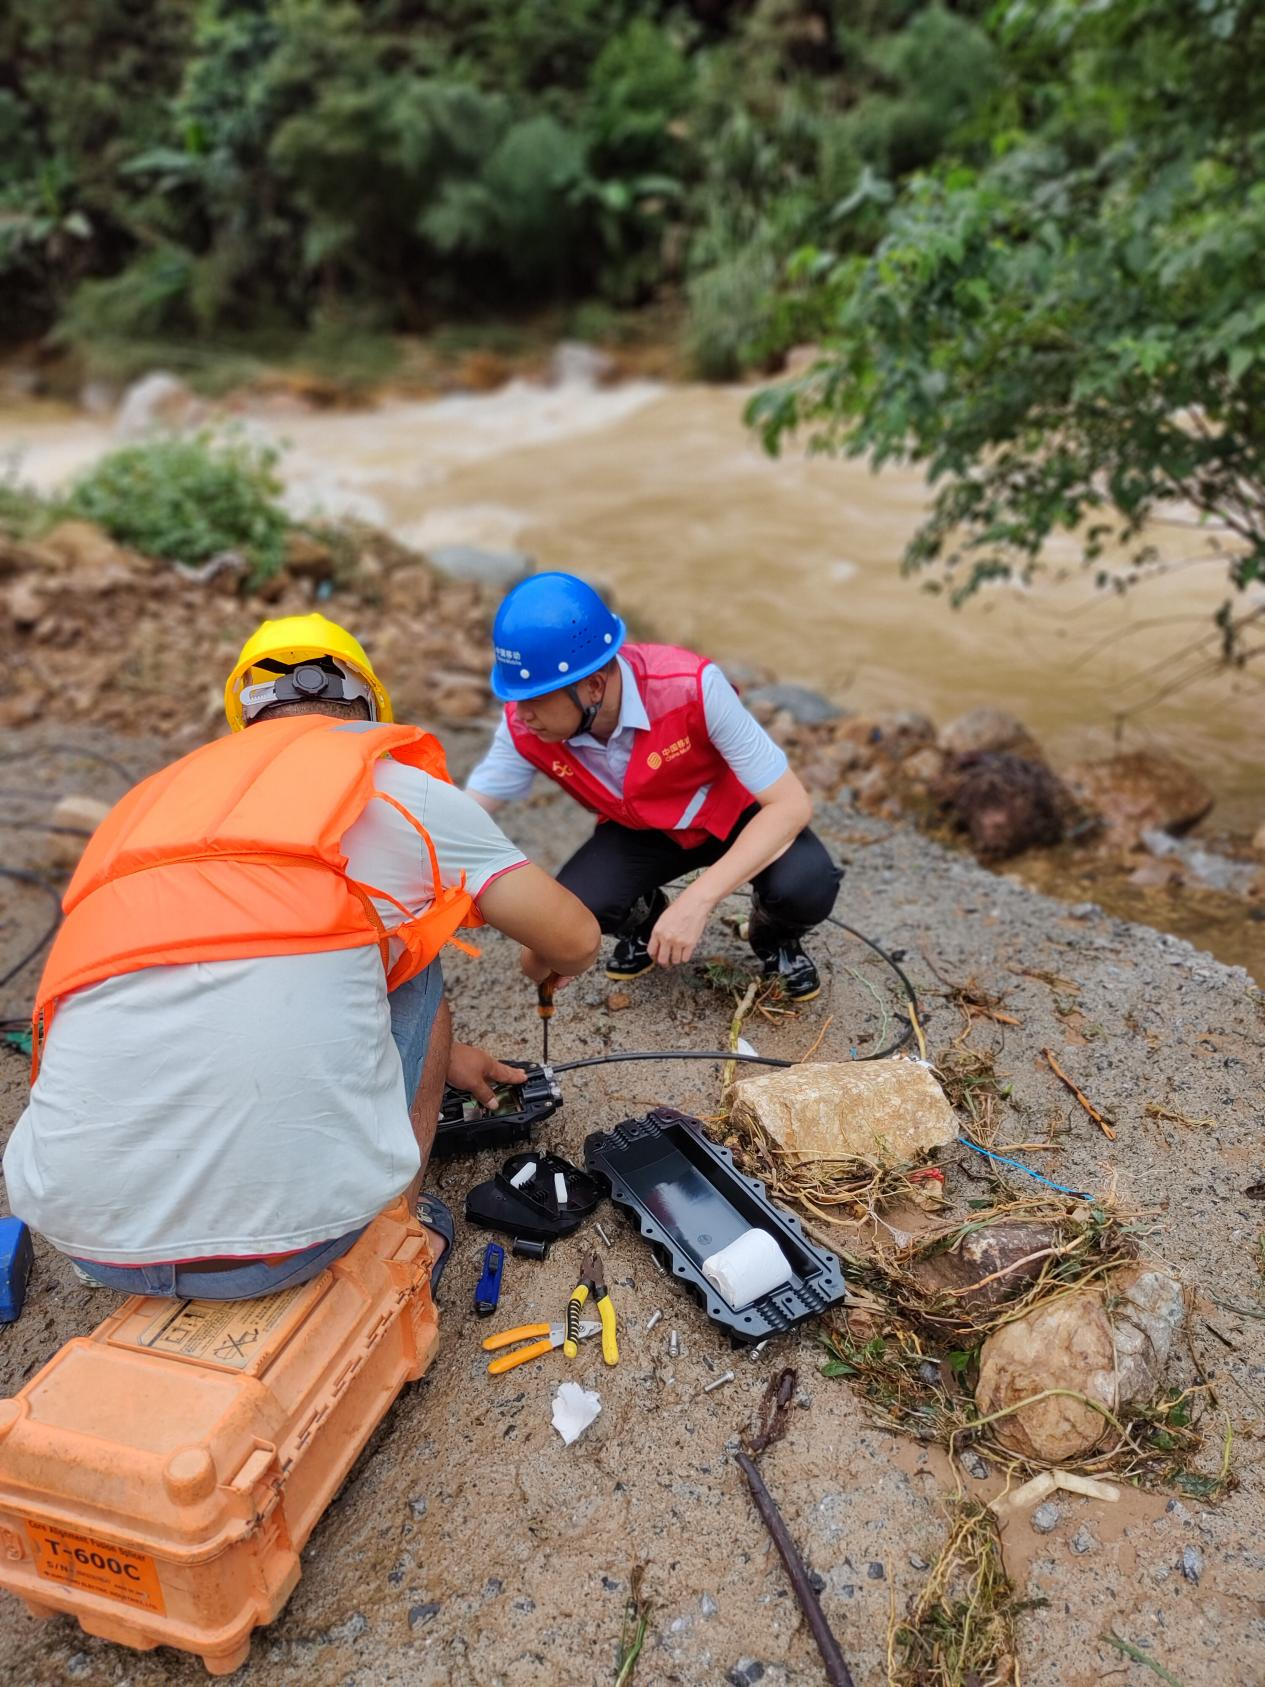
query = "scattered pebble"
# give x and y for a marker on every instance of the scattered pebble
(929, 1371)
(79, 1663)
(804, 1400)
(1082, 1540)
(745, 1673)
(678, 1625)
(1045, 1518)
(916, 1563)
(971, 1462)
(418, 1505)
(708, 1606)
(524, 1605)
(610, 1584)
(352, 1629)
(1176, 1509)
(876, 1572)
(816, 1581)
(1192, 1564)
(420, 1615)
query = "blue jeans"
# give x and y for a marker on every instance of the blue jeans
(413, 1009)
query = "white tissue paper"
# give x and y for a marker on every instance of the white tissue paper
(574, 1409)
(747, 1269)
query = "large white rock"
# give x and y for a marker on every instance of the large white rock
(885, 1112)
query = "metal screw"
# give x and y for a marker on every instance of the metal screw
(653, 1319)
(674, 1345)
(719, 1382)
(606, 1241)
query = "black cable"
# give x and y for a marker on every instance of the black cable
(24, 877)
(671, 1054)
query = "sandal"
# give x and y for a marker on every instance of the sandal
(436, 1215)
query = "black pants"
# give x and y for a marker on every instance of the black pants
(616, 873)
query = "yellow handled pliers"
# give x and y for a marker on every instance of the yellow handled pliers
(592, 1282)
(551, 1336)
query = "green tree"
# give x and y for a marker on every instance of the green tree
(1072, 337)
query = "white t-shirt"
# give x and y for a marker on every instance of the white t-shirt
(242, 1107)
(751, 754)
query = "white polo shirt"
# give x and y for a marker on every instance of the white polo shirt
(752, 755)
(242, 1107)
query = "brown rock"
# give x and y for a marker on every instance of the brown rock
(923, 768)
(19, 557)
(1000, 1253)
(618, 1000)
(897, 734)
(1139, 791)
(1258, 841)
(1109, 1345)
(80, 547)
(307, 558)
(73, 815)
(1004, 803)
(24, 603)
(884, 1112)
(989, 729)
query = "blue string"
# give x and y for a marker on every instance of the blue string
(1081, 1194)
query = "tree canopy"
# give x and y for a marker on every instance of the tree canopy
(1064, 320)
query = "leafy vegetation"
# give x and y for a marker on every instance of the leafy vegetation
(187, 500)
(1066, 328)
(206, 171)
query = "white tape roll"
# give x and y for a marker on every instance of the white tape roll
(747, 1269)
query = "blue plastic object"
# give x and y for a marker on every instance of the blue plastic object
(487, 1295)
(549, 632)
(16, 1258)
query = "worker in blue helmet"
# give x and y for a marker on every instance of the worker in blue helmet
(655, 742)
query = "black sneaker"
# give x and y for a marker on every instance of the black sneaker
(796, 973)
(631, 955)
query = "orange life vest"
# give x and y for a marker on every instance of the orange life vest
(234, 851)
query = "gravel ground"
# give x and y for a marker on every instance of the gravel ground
(469, 1546)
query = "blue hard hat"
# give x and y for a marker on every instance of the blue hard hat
(550, 631)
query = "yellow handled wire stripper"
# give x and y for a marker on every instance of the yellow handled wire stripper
(592, 1283)
(550, 1336)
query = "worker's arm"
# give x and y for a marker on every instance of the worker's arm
(785, 809)
(502, 776)
(556, 930)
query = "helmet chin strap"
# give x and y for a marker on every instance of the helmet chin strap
(588, 711)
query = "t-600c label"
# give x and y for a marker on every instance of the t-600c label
(62, 1556)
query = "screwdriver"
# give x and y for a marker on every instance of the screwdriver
(544, 1007)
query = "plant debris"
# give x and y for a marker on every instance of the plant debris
(1100, 1119)
(636, 1622)
(959, 1629)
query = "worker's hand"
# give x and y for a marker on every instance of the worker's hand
(538, 971)
(474, 1070)
(678, 930)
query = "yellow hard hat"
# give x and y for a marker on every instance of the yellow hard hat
(299, 638)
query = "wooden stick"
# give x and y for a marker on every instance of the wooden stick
(837, 1672)
(1104, 1124)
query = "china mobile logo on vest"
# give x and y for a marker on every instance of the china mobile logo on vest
(656, 758)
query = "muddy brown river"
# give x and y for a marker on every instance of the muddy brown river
(662, 494)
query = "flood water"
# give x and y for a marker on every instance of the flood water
(662, 494)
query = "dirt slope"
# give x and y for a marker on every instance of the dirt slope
(470, 1547)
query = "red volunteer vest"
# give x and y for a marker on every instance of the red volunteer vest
(671, 761)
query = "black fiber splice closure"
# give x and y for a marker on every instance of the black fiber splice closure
(533, 1212)
(465, 1126)
(689, 1201)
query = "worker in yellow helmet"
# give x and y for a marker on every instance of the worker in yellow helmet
(241, 1033)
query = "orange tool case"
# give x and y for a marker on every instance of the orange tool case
(159, 1478)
